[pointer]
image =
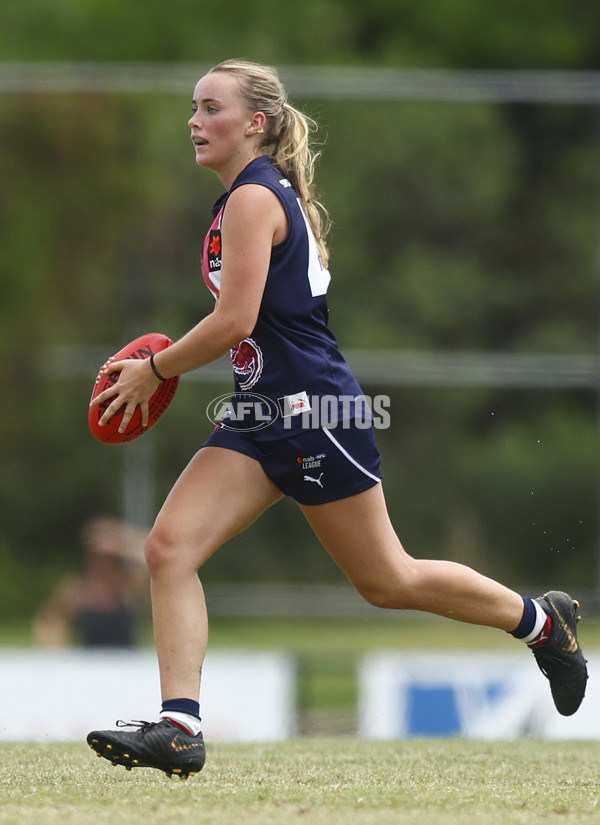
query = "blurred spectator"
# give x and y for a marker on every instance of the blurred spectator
(100, 605)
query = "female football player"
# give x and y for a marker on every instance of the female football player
(265, 260)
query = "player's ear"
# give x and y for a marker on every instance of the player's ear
(257, 124)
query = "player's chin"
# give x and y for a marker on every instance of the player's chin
(203, 159)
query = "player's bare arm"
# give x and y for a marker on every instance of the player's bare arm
(252, 223)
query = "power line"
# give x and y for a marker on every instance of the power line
(318, 82)
(393, 368)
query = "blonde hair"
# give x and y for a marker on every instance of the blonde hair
(287, 136)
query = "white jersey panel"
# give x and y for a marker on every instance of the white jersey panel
(318, 276)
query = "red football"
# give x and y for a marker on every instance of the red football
(142, 347)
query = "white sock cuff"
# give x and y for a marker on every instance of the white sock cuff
(187, 721)
(540, 621)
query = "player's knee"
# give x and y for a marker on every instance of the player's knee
(397, 589)
(169, 551)
(390, 597)
(160, 549)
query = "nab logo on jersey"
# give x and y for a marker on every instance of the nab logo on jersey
(214, 250)
(247, 362)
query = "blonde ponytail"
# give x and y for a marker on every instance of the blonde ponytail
(286, 138)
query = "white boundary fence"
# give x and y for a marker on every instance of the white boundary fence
(62, 695)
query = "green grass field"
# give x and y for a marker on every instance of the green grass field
(339, 781)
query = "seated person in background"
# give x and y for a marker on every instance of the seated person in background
(99, 606)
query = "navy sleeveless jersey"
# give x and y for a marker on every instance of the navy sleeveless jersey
(291, 359)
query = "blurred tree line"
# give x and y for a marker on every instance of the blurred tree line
(467, 227)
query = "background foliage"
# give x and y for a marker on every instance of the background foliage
(457, 227)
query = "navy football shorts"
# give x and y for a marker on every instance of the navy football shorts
(314, 466)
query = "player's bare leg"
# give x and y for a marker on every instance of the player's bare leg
(359, 536)
(220, 493)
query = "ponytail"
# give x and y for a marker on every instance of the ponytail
(286, 139)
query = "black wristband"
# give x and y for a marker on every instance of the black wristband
(154, 370)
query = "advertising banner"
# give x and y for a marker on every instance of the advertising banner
(475, 695)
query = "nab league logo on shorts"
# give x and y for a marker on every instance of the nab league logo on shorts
(247, 362)
(242, 411)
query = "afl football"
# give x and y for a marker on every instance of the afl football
(142, 347)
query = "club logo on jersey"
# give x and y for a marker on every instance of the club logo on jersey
(247, 363)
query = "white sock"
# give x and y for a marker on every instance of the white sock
(185, 720)
(540, 621)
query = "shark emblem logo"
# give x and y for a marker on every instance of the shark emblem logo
(247, 362)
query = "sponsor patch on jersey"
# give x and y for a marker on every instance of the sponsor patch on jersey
(295, 404)
(247, 363)
(214, 250)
